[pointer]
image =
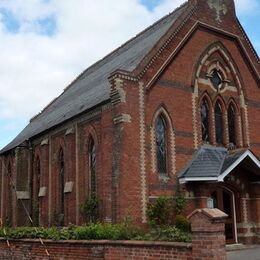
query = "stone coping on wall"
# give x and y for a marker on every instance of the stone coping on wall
(129, 243)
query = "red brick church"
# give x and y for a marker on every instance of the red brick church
(176, 106)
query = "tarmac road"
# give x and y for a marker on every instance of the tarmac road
(247, 254)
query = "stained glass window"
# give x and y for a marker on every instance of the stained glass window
(10, 196)
(161, 146)
(38, 172)
(219, 123)
(92, 165)
(61, 188)
(36, 190)
(216, 79)
(231, 124)
(204, 112)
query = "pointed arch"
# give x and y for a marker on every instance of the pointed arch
(231, 124)
(162, 143)
(232, 102)
(222, 50)
(36, 189)
(61, 185)
(234, 123)
(162, 110)
(205, 105)
(219, 111)
(229, 73)
(92, 164)
(9, 217)
(217, 57)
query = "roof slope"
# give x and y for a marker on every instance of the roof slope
(214, 163)
(92, 87)
(207, 162)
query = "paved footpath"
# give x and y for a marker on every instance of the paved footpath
(247, 254)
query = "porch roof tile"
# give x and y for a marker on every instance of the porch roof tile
(213, 164)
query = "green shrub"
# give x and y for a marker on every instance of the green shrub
(174, 234)
(160, 212)
(165, 233)
(182, 223)
(98, 231)
(89, 209)
(180, 203)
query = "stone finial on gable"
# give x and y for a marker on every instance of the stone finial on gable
(221, 9)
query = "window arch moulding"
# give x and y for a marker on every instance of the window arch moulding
(238, 132)
(221, 104)
(216, 57)
(205, 114)
(92, 165)
(91, 138)
(161, 112)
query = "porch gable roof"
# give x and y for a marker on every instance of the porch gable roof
(214, 164)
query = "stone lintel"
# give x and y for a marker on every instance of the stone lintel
(45, 142)
(68, 187)
(69, 131)
(22, 195)
(42, 192)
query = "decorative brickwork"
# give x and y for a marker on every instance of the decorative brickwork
(171, 143)
(142, 152)
(172, 78)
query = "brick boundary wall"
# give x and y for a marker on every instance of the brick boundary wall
(32, 249)
(208, 242)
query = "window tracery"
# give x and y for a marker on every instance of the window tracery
(216, 80)
(231, 125)
(92, 165)
(219, 123)
(61, 187)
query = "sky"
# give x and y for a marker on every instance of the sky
(45, 44)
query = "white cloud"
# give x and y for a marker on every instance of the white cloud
(35, 68)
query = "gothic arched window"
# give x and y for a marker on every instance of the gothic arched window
(38, 175)
(10, 196)
(219, 123)
(231, 124)
(161, 144)
(204, 113)
(36, 191)
(61, 187)
(92, 165)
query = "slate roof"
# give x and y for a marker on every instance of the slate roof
(230, 159)
(210, 162)
(92, 87)
(207, 162)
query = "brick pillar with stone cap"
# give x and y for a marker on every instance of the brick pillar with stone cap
(208, 234)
